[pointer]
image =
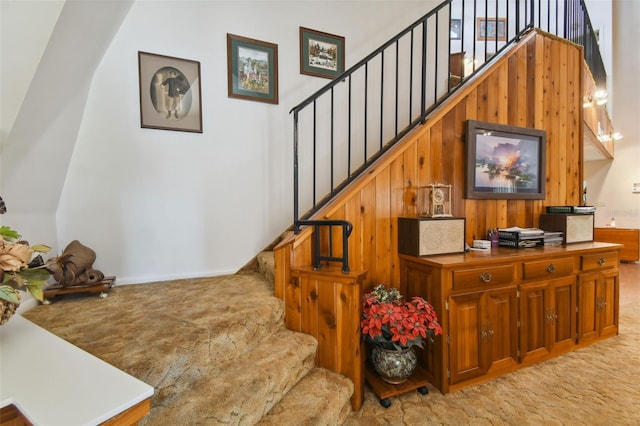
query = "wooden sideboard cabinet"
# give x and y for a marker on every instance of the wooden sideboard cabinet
(507, 308)
(630, 238)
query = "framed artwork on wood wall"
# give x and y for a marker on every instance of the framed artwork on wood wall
(321, 54)
(252, 69)
(491, 29)
(170, 96)
(505, 162)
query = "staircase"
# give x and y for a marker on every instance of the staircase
(320, 396)
(216, 350)
(260, 372)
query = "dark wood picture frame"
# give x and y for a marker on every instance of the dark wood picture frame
(505, 162)
(490, 29)
(252, 69)
(170, 93)
(321, 54)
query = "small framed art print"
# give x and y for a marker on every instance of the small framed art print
(321, 54)
(252, 69)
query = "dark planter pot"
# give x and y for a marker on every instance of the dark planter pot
(394, 366)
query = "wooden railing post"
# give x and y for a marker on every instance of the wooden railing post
(330, 305)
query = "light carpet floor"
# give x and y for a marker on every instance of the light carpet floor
(596, 385)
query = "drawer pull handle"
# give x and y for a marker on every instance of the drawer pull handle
(485, 277)
(549, 315)
(486, 334)
(551, 268)
(601, 261)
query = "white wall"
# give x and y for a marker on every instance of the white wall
(49, 54)
(609, 182)
(158, 204)
(32, 22)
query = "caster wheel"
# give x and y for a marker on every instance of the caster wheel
(423, 390)
(386, 402)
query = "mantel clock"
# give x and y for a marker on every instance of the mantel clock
(434, 200)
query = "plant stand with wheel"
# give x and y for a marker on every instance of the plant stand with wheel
(383, 390)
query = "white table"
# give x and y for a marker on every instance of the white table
(54, 383)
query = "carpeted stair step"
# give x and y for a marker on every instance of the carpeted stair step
(184, 318)
(266, 266)
(242, 317)
(322, 397)
(237, 392)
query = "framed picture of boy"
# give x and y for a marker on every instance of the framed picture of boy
(170, 96)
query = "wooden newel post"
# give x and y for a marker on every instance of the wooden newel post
(330, 307)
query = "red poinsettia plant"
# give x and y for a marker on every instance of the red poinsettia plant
(390, 323)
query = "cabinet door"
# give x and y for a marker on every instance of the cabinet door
(500, 328)
(608, 303)
(588, 319)
(483, 333)
(563, 304)
(465, 321)
(547, 317)
(598, 298)
(535, 317)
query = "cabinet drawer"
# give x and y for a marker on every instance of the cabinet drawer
(491, 275)
(600, 260)
(549, 268)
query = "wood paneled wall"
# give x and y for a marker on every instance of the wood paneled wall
(537, 83)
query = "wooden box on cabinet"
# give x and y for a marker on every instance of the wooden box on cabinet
(424, 236)
(575, 228)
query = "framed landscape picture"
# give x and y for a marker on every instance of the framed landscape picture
(492, 29)
(321, 54)
(252, 69)
(505, 162)
(170, 97)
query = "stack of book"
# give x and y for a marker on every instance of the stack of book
(517, 237)
(571, 209)
(553, 238)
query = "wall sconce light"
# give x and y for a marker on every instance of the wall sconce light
(608, 137)
(599, 97)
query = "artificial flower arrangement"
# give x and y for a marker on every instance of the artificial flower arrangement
(21, 267)
(390, 323)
